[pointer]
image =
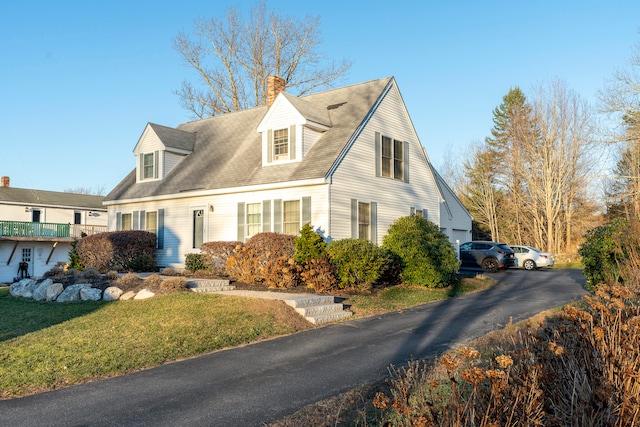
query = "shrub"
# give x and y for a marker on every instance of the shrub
(129, 282)
(91, 273)
(215, 255)
(74, 258)
(194, 262)
(168, 272)
(309, 245)
(359, 263)
(319, 274)
(601, 254)
(143, 262)
(425, 254)
(154, 281)
(174, 284)
(112, 275)
(118, 249)
(265, 258)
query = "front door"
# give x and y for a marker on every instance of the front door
(27, 256)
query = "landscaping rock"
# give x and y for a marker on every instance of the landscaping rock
(53, 291)
(90, 294)
(24, 288)
(40, 292)
(144, 294)
(72, 293)
(112, 293)
(127, 296)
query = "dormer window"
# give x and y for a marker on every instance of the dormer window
(281, 144)
(149, 166)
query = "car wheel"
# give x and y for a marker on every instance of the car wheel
(490, 265)
(529, 265)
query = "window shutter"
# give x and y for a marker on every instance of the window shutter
(266, 215)
(373, 222)
(354, 218)
(143, 220)
(277, 216)
(156, 165)
(134, 220)
(405, 152)
(241, 221)
(292, 142)
(118, 221)
(141, 167)
(378, 149)
(306, 211)
(160, 228)
(269, 145)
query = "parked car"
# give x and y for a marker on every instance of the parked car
(531, 258)
(489, 256)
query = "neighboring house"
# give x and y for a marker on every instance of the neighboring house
(38, 227)
(348, 161)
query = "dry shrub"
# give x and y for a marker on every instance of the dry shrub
(174, 284)
(153, 281)
(577, 368)
(129, 282)
(265, 258)
(112, 275)
(91, 273)
(215, 255)
(319, 274)
(168, 272)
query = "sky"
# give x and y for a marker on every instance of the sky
(79, 80)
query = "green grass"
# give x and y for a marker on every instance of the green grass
(44, 346)
(400, 297)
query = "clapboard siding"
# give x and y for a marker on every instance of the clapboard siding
(170, 160)
(355, 177)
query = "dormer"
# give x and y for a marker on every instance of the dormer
(289, 129)
(159, 149)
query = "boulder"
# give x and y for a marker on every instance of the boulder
(53, 291)
(24, 288)
(72, 293)
(127, 296)
(144, 294)
(40, 292)
(112, 293)
(90, 294)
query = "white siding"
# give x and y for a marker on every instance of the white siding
(309, 137)
(220, 219)
(170, 160)
(355, 177)
(40, 251)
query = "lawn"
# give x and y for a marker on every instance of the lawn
(45, 346)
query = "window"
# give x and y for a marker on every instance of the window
(291, 217)
(198, 228)
(254, 219)
(77, 218)
(148, 163)
(35, 215)
(363, 220)
(151, 222)
(281, 144)
(391, 158)
(126, 222)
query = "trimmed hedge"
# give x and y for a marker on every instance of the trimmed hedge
(359, 263)
(118, 250)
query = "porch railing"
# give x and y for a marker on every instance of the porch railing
(47, 229)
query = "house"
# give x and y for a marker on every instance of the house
(348, 161)
(37, 227)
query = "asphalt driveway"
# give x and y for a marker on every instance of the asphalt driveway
(260, 383)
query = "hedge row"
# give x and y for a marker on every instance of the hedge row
(118, 250)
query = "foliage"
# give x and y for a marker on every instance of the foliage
(359, 263)
(118, 250)
(215, 255)
(576, 368)
(233, 57)
(265, 258)
(319, 274)
(174, 284)
(194, 262)
(599, 253)
(309, 245)
(74, 258)
(426, 256)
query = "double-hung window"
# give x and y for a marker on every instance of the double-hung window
(148, 167)
(151, 222)
(364, 221)
(254, 219)
(127, 223)
(281, 144)
(291, 217)
(391, 158)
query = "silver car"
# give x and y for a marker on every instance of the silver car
(531, 258)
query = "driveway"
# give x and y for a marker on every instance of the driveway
(263, 382)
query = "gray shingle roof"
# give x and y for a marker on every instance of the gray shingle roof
(174, 138)
(50, 198)
(228, 149)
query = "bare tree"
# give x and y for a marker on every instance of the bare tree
(98, 191)
(233, 57)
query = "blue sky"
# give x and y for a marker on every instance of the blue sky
(79, 80)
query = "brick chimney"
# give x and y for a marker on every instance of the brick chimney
(5, 181)
(275, 85)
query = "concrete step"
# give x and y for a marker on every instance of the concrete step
(308, 301)
(319, 309)
(328, 317)
(210, 285)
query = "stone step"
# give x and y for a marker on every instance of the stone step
(210, 285)
(308, 301)
(328, 317)
(319, 309)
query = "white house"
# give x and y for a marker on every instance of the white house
(38, 227)
(348, 161)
